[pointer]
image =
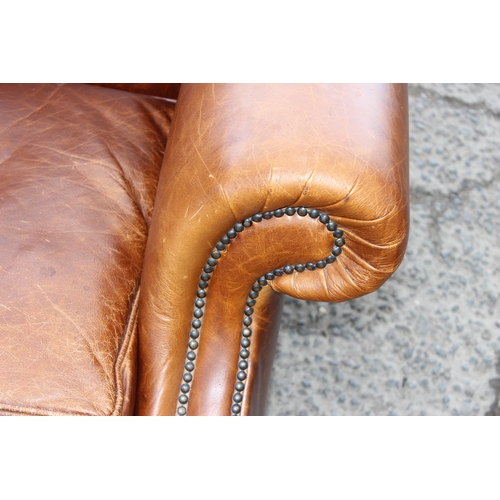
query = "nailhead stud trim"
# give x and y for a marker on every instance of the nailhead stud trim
(262, 281)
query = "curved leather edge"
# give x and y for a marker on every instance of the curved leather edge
(236, 150)
(126, 363)
(265, 329)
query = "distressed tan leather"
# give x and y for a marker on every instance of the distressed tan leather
(237, 150)
(79, 167)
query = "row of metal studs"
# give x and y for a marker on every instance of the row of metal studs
(246, 332)
(262, 281)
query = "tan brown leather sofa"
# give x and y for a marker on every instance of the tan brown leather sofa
(148, 234)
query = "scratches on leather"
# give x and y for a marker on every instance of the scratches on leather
(339, 132)
(79, 167)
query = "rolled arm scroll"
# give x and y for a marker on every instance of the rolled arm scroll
(240, 150)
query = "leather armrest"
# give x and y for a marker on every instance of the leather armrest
(239, 150)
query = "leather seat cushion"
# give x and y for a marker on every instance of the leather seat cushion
(79, 166)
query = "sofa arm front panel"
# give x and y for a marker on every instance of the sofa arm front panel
(240, 150)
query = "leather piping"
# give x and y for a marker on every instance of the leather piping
(130, 329)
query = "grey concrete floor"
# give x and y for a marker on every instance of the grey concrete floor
(427, 342)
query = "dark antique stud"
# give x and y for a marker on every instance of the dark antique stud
(279, 213)
(247, 321)
(225, 240)
(267, 215)
(202, 284)
(253, 294)
(198, 313)
(257, 217)
(321, 264)
(248, 311)
(340, 242)
(256, 288)
(262, 281)
(337, 251)
(231, 234)
(181, 410)
(238, 227)
(338, 233)
(189, 366)
(251, 302)
(245, 343)
(187, 377)
(237, 398)
(196, 323)
(216, 254)
(278, 272)
(220, 246)
(290, 210)
(241, 375)
(191, 355)
(300, 267)
(324, 218)
(208, 269)
(302, 211)
(205, 277)
(193, 344)
(314, 213)
(247, 222)
(288, 269)
(183, 399)
(201, 294)
(236, 408)
(331, 226)
(246, 332)
(199, 302)
(269, 276)
(242, 365)
(330, 259)
(185, 388)
(212, 262)
(194, 334)
(310, 266)
(244, 354)
(239, 386)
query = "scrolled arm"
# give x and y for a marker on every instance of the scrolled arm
(240, 151)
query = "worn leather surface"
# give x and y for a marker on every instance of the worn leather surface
(236, 150)
(78, 172)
